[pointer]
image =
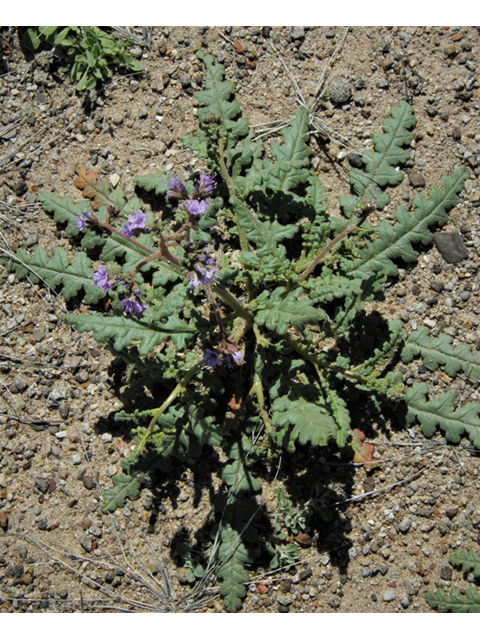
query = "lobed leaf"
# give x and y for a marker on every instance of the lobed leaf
(279, 310)
(126, 331)
(440, 412)
(125, 486)
(439, 351)
(411, 228)
(381, 165)
(454, 601)
(468, 561)
(57, 271)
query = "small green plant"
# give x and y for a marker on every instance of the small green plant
(88, 53)
(454, 601)
(240, 301)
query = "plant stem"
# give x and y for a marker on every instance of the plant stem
(322, 363)
(233, 303)
(164, 254)
(180, 388)
(322, 253)
(242, 234)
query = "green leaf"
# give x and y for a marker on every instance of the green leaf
(57, 271)
(468, 561)
(233, 555)
(292, 158)
(440, 351)
(381, 165)
(126, 331)
(440, 412)
(279, 310)
(411, 228)
(237, 476)
(156, 182)
(454, 601)
(126, 486)
(311, 422)
(64, 209)
(217, 94)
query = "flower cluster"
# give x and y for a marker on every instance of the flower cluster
(100, 278)
(133, 304)
(226, 353)
(83, 220)
(136, 224)
(203, 276)
(199, 203)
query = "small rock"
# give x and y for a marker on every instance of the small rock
(95, 530)
(88, 481)
(451, 245)
(305, 574)
(446, 572)
(405, 601)
(389, 595)
(114, 179)
(21, 384)
(55, 396)
(355, 160)
(437, 286)
(136, 52)
(20, 187)
(87, 543)
(42, 483)
(297, 33)
(404, 525)
(284, 600)
(452, 512)
(3, 520)
(456, 133)
(416, 178)
(450, 50)
(340, 90)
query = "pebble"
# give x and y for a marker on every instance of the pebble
(404, 525)
(446, 572)
(389, 595)
(451, 245)
(88, 481)
(297, 33)
(340, 90)
(416, 178)
(114, 179)
(86, 543)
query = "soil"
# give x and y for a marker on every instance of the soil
(394, 527)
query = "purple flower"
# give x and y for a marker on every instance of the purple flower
(206, 185)
(238, 357)
(205, 276)
(212, 358)
(100, 278)
(197, 207)
(83, 219)
(135, 224)
(209, 260)
(134, 305)
(176, 188)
